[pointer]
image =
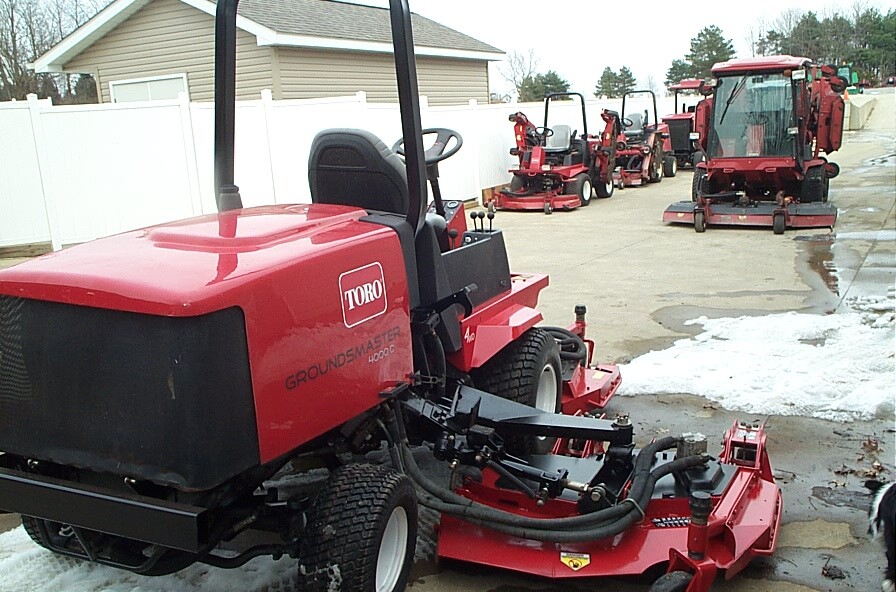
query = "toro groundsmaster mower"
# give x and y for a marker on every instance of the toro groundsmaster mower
(643, 151)
(164, 391)
(763, 127)
(558, 169)
(682, 134)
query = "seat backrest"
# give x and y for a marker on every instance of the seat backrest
(353, 167)
(559, 140)
(637, 122)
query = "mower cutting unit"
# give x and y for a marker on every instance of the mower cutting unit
(558, 169)
(682, 134)
(763, 127)
(276, 368)
(643, 151)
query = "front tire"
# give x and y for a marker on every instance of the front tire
(526, 371)
(670, 166)
(697, 183)
(655, 170)
(813, 189)
(581, 187)
(361, 532)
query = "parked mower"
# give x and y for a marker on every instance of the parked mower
(557, 168)
(682, 134)
(763, 127)
(168, 389)
(643, 151)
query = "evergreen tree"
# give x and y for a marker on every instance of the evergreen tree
(625, 82)
(708, 48)
(607, 84)
(85, 90)
(534, 88)
(678, 72)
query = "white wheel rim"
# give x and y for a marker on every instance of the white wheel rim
(609, 186)
(674, 166)
(546, 395)
(393, 547)
(586, 190)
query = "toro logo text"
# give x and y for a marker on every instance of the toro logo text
(363, 292)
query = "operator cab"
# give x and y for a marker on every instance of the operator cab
(753, 116)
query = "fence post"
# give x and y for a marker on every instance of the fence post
(186, 126)
(267, 105)
(477, 172)
(43, 166)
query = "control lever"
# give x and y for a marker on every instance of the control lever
(491, 216)
(452, 236)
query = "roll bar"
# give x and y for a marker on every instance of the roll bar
(547, 103)
(227, 194)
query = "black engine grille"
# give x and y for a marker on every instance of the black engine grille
(168, 399)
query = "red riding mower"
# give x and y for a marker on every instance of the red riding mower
(763, 125)
(643, 151)
(682, 134)
(558, 169)
(167, 389)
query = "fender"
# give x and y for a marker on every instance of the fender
(489, 330)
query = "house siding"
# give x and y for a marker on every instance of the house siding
(312, 73)
(170, 37)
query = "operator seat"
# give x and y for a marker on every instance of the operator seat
(559, 140)
(635, 131)
(353, 167)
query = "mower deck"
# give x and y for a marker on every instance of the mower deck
(811, 215)
(538, 202)
(743, 524)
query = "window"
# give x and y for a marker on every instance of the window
(156, 88)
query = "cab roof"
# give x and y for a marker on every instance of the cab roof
(759, 63)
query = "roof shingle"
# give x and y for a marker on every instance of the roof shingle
(342, 20)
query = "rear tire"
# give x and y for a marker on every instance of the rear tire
(517, 183)
(670, 166)
(674, 581)
(526, 371)
(605, 190)
(361, 532)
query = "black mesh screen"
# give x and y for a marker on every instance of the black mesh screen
(167, 399)
(679, 134)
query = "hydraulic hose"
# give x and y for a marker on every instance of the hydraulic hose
(455, 504)
(633, 513)
(571, 345)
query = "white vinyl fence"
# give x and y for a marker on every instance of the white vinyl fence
(69, 174)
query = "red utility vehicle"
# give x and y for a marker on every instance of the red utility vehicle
(763, 127)
(682, 135)
(643, 150)
(271, 368)
(558, 169)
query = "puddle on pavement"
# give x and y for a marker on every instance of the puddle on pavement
(842, 498)
(817, 254)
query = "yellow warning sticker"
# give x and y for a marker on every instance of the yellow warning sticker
(680, 215)
(575, 561)
(599, 374)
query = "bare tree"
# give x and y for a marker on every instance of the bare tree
(28, 28)
(519, 68)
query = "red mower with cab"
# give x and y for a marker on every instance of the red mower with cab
(682, 133)
(277, 369)
(558, 169)
(763, 127)
(643, 151)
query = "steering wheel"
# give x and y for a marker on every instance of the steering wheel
(544, 132)
(436, 152)
(627, 122)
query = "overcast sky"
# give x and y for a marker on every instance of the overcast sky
(579, 38)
